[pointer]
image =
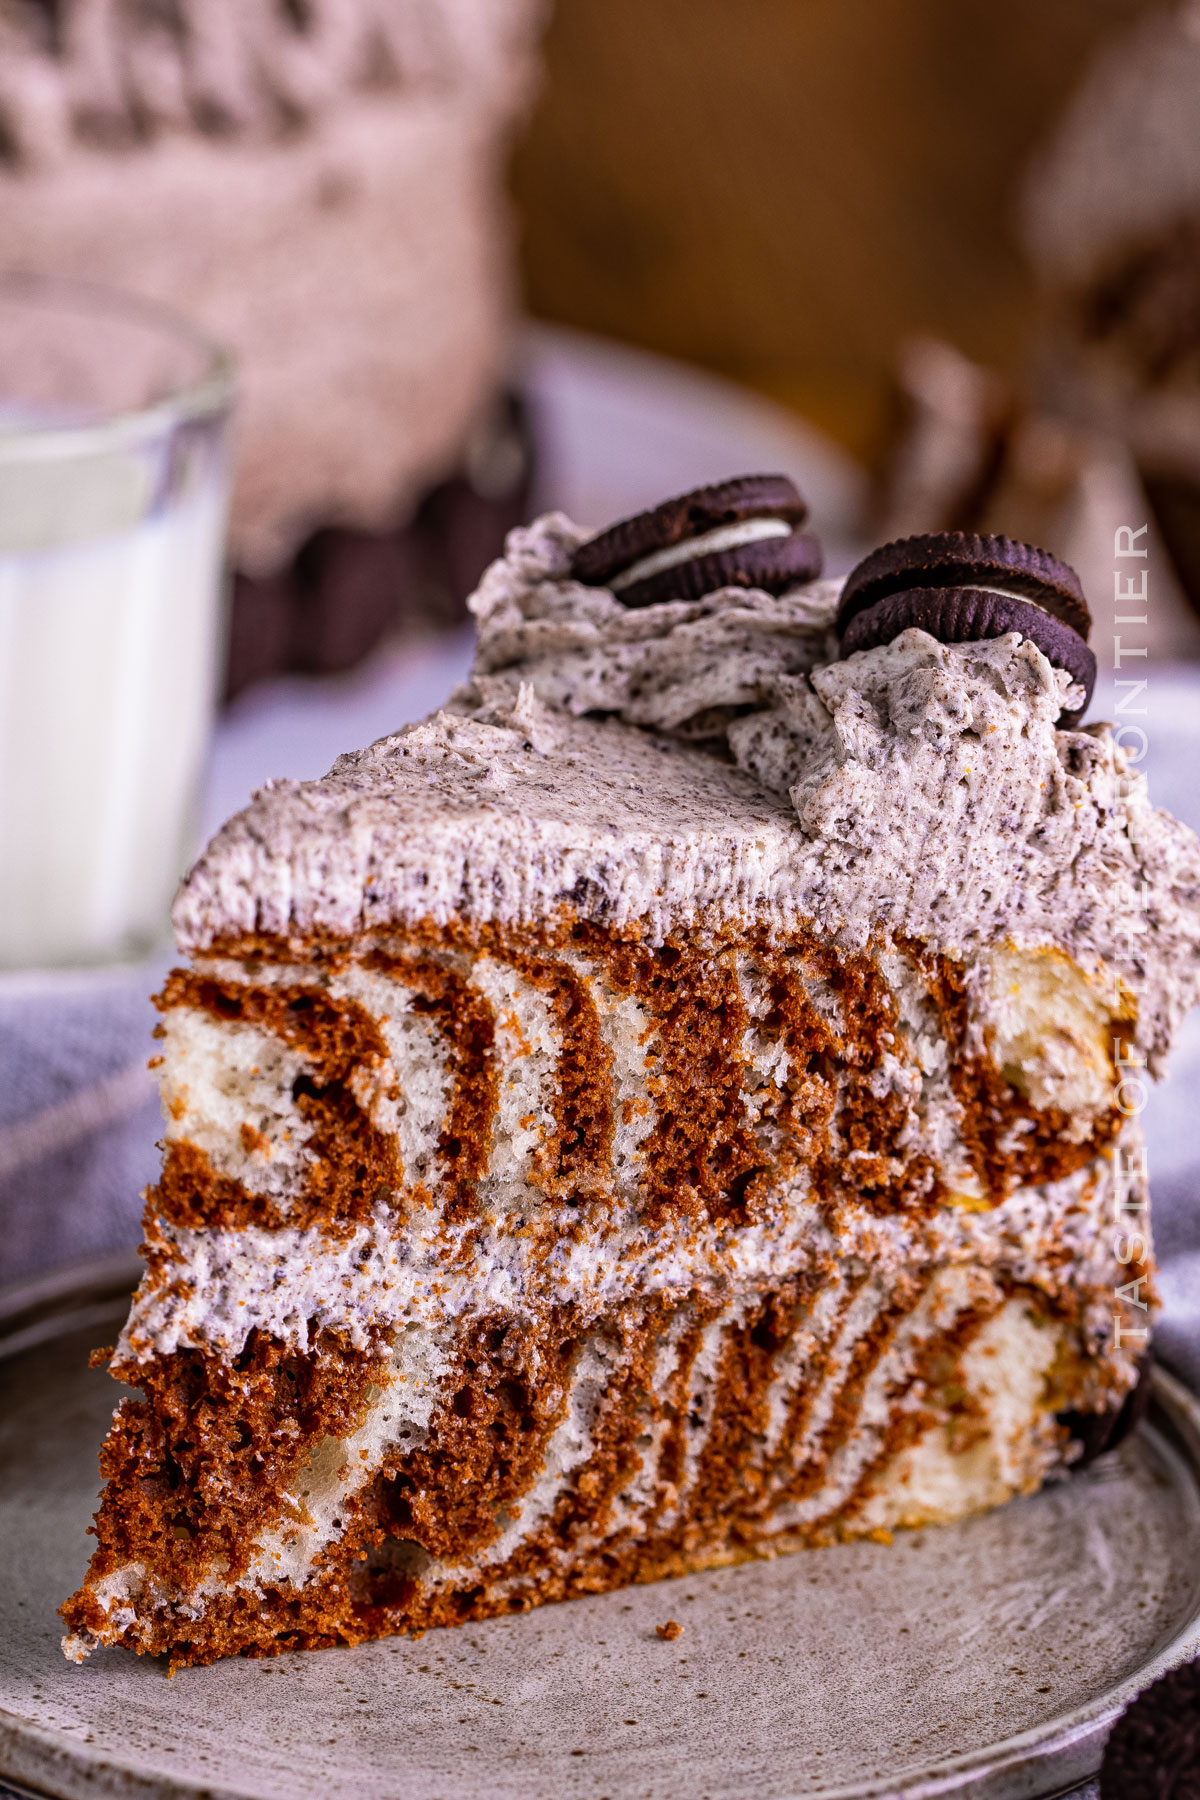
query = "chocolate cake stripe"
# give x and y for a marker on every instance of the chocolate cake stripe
(354, 1168)
(699, 1156)
(731, 1462)
(468, 1026)
(832, 1325)
(800, 1363)
(577, 1162)
(585, 1507)
(214, 1446)
(192, 1194)
(704, 1149)
(672, 1461)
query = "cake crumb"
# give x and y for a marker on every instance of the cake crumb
(670, 1631)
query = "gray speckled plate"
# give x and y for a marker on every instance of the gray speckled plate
(985, 1658)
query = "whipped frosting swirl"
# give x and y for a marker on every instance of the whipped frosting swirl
(684, 667)
(749, 674)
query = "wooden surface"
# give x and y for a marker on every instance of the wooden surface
(782, 189)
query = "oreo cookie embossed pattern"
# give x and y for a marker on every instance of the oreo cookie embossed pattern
(1154, 1750)
(737, 533)
(964, 589)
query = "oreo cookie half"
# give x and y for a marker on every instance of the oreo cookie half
(956, 615)
(959, 559)
(737, 533)
(1153, 1751)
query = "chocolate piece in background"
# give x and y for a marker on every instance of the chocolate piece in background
(943, 442)
(1153, 1750)
(965, 449)
(1110, 219)
(968, 452)
(344, 590)
(1174, 498)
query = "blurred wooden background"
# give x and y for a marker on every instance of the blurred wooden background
(784, 189)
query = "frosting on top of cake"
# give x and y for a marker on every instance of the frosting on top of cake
(917, 788)
(678, 667)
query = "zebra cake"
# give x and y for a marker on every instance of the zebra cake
(661, 1110)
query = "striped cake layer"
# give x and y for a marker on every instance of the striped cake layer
(548, 1262)
(594, 1068)
(493, 1466)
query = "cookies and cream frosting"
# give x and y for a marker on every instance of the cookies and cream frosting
(715, 760)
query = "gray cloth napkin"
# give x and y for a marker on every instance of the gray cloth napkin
(79, 1115)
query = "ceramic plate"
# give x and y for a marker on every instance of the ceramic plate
(979, 1659)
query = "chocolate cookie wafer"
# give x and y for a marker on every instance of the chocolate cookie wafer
(960, 559)
(1153, 1752)
(736, 533)
(966, 615)
(976, 588)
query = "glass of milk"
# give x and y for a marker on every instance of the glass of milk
(114, 496)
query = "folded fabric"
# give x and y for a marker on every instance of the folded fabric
(79, 1114)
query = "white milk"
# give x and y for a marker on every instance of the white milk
(109, 650)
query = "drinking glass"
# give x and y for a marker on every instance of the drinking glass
(114, 498)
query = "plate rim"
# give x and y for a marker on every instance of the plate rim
(37, 1311)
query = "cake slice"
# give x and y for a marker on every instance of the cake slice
(671, 1106)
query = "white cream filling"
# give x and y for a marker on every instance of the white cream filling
(1006, 594)
(292, 1284)
(721, 537)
